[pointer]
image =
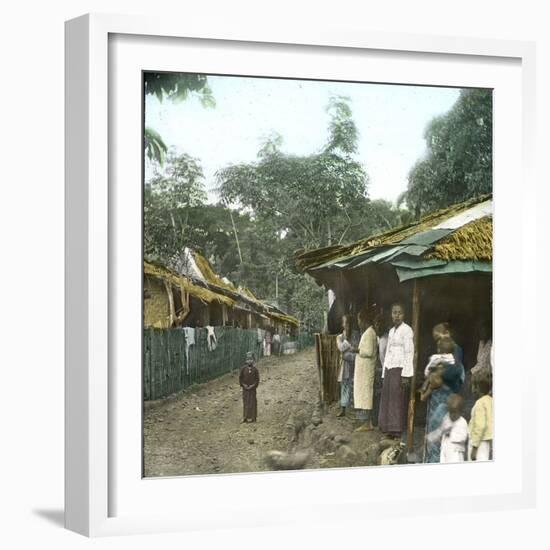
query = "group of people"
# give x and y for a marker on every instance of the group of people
(371, 357)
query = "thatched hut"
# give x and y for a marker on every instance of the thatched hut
(440, 267)
(197, 296)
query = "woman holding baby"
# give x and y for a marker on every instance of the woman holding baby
(447, 376)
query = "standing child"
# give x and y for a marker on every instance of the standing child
(347, 343)
(453, 432)
(249, 380)
(481, 421)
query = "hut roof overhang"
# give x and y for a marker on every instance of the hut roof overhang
(207, 289)
(457, 239)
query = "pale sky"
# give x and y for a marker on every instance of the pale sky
(391, 120)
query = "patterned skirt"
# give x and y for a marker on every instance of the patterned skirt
(392, 417)
(437, 409)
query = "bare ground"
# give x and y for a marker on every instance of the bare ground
(199, 430)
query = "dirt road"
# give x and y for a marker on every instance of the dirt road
(199, 431)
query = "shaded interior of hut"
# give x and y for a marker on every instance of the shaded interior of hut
(462, 300)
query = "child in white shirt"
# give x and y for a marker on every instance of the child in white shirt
(453, 432)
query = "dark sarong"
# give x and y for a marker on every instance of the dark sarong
(250, 404)
(378, 381)
(437, 409)
(392, 417)
(249, 379)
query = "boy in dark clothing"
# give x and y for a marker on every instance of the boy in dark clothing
(249, 379)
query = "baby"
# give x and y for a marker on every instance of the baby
(453, 432)
(434, 369)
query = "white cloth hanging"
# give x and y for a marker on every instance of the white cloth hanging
(189, 333)
(211, 340)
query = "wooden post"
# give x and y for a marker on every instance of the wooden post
(416, 331)
(206, 315)
(168, 288)
(186, 309)
(319, 361)
(367, 291)
(224, 315)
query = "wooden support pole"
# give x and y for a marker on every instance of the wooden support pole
(224, 315)
(168, 288)
(186, 309)
(319, 362)
(412, 395)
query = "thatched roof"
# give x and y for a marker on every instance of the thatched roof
(241, 293)
(211, 288)
(209, 274)
(473, 241)
(459, 236)
(204, 294)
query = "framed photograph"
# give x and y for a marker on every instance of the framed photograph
(294, 267)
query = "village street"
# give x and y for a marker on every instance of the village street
(199, 431)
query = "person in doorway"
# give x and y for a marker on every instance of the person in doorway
(267, 341)
(347, 342)
(249, 380)
(365, 367)
(276, 344)
(481, 420)
(452, 433)
(397, 373)
(484, 350)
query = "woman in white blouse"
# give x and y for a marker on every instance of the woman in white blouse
(397, 372)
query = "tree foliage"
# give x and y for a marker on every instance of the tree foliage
(458, 164)
(300, 202)
(269, 209)
(155, 148)
(175, 87)
(343, 133)
(179, 86)
(170, 197)
(315, 199)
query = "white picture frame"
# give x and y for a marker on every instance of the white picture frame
(103, 496)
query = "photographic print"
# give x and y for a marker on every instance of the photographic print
(317, 274)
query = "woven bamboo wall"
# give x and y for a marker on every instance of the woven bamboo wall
(328, 363)
(168, 368)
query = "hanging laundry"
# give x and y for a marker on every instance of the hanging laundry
(189, 333)
(211, 340)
